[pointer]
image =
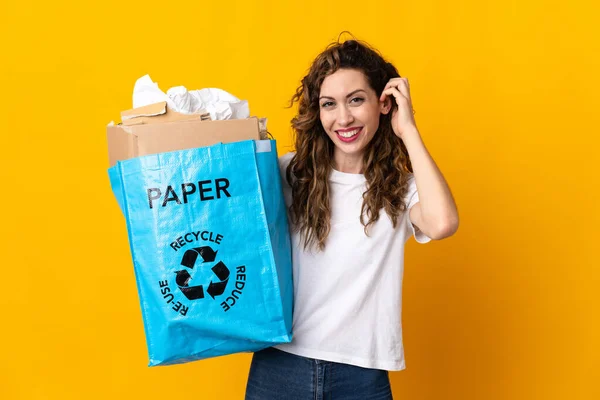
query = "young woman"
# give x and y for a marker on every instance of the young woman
(359, 185)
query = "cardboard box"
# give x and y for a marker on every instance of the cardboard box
(157, 112)
(156, 129)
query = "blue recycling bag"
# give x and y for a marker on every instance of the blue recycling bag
(210, 245)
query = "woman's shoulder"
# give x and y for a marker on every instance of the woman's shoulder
(285, 159)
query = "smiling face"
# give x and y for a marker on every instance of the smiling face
(349, 110)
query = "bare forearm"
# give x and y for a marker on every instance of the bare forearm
(438, 209)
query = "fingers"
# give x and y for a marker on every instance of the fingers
(400, 83)
(404, 87)
(393, 91)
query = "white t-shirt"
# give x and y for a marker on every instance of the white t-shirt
(348, 297)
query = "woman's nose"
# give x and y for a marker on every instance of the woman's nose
(345, 116)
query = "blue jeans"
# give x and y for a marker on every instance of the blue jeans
(277, 375)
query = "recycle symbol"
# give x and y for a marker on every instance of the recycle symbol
(189, 260)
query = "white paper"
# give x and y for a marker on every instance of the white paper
(217, 102)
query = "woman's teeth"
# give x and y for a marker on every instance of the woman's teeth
(349, 133)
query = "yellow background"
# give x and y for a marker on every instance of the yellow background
(507, 101)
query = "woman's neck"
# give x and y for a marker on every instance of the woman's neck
(349, 164)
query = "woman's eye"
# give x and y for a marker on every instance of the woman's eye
(358, 100)
(326, 104)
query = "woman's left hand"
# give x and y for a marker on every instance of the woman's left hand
(403, 121)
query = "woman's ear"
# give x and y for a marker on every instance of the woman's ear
(385, 106)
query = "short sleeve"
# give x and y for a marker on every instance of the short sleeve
(284, 161)
(412, 198)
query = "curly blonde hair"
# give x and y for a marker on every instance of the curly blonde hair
(386, 160)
